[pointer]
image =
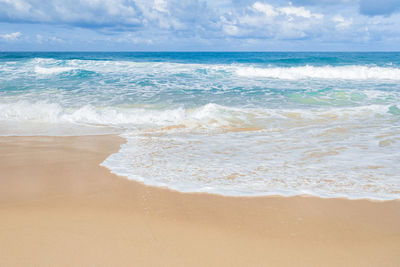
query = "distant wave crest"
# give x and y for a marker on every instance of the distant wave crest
(325, 72)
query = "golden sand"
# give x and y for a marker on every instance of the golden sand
(58, 207)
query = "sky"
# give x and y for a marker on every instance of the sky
(199, 25)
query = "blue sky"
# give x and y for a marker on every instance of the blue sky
(196, 25)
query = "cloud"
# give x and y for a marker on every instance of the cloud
(299, 12)
(375, 8)
(110, 14)
(82, 13)
(11, 36)
(194, 24)
(47, 39)
(267, 9)
(262, 20)
(341, 22)
(175, 14)
(319, 2)
(365, 7)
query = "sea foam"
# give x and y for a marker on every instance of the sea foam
(324, 72)
(209, 116)
(348, 72)
(52, 70)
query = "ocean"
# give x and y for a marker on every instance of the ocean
(236, 124)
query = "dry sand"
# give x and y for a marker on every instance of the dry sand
(58, 207)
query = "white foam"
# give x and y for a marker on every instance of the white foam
(321, 161)
(325, 72)
(210, 116)
(340, 152)
(52, 70)
(53, 66)
(348, 72)
(23, 111)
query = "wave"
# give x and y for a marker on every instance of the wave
(343, 152)
(44, 66)
(52, 70)
(208, 117)
(354, 72)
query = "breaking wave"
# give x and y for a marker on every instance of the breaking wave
(206, 117)
(325, 72)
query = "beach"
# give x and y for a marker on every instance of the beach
(199, 133)
(59, 207)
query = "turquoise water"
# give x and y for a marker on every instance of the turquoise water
(325, 124)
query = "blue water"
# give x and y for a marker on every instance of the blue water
(324, 124)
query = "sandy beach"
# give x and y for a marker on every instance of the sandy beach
(58, 207)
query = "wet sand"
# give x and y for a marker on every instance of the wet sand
(58, 207)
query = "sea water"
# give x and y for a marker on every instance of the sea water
(238, 124)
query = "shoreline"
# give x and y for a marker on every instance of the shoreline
(172, 190)
(60, 207)
(165, 187)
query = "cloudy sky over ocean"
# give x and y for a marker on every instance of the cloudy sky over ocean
(196, 25)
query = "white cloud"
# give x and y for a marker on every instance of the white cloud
(161, 6)
(11, 36)
(262, 20)
(83, 12)
(267, 9)
(231, 30)
(299, 12)
(341, 22)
